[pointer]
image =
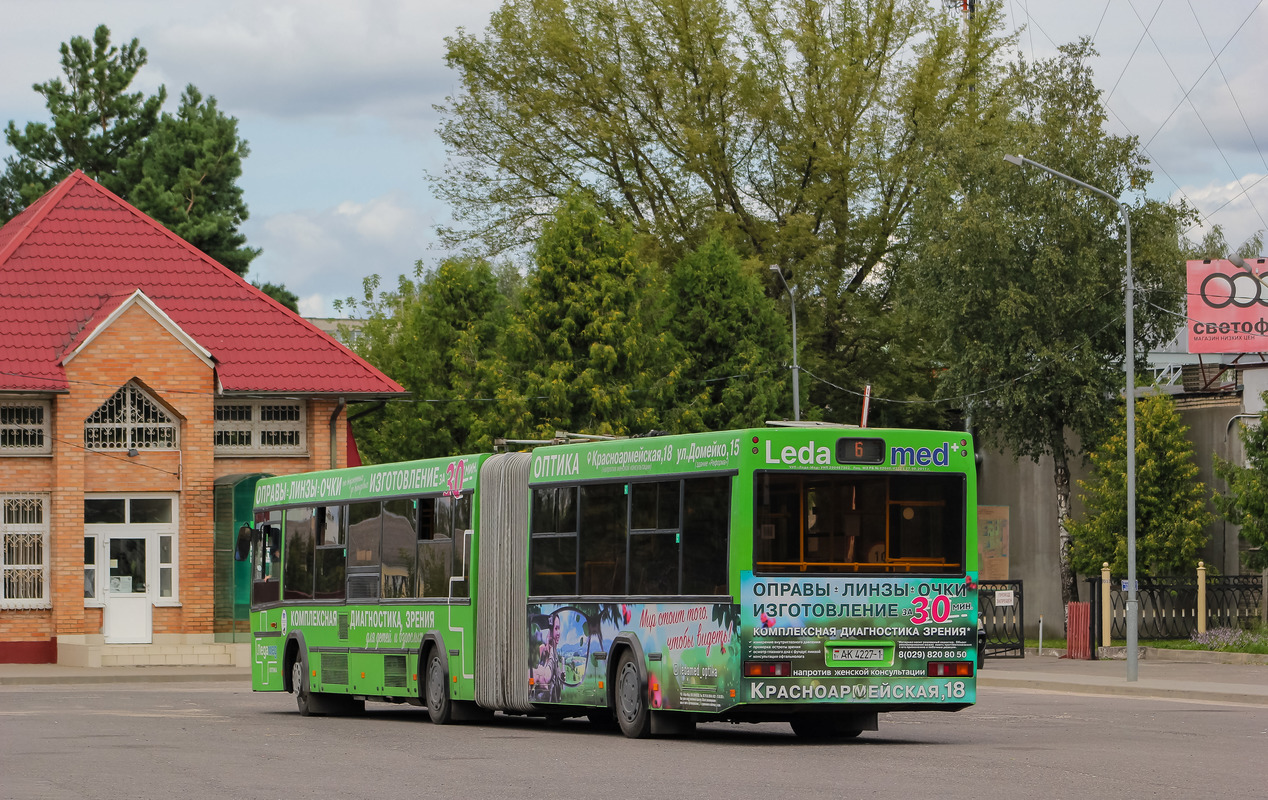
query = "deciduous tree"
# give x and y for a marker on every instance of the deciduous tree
(804, 129)
(1021, 273)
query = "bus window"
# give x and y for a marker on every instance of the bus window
(297, 578)
(400, 551)
(601, 539)
(365, 529)
(553, 552)
(435, 546)
(266, 558)
(654, 537)
(331, 553)
(462, 545)
(859, 524)
(706, 522)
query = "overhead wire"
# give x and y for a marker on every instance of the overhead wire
(1201, 120)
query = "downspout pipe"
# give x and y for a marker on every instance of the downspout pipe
(334, 438)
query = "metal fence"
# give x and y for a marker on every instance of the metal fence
(1168, 607)
(1003, 621)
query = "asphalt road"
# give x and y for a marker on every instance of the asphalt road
(199, 740)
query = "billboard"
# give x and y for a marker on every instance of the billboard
(1228, 306)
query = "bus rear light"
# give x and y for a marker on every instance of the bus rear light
(949, 669)
(767, 669)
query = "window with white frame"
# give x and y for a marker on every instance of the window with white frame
(130, 420)
(24, 551)
(153, 518)
(24, 427)
(260, 427)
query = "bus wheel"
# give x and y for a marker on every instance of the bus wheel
(437, 691)
(299, 682)
(631, 699)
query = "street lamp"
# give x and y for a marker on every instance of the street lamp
(1132, 640)
(792, 301)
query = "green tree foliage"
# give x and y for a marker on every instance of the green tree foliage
(803, 129)
(581, 354)
(281, 294)
(434, 335)
(1021, 273)
(185, 175)
(730, 341)
(1170, 501)
(1245, 502)
(181, 169)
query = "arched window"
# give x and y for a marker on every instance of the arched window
(130, 419)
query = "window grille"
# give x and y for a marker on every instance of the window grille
(24, 427)
(24, 552)
(130, 419)
(258, 427)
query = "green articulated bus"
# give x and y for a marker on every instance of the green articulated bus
(816, 575)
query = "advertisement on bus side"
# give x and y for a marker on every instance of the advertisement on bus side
(857, 640)
(692, 657)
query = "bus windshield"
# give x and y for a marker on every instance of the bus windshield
(817, 522)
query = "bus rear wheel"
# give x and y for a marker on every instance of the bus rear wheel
(632, 713)
(436, 690)
(822, 728)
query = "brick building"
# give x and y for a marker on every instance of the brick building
(135, 372)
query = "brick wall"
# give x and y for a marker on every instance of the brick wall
(136, 347)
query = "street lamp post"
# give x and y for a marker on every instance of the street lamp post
(1132, 638)
(792, 301)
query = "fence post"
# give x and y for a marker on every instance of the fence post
(1263, 598)
(1107, 610)
(1201, 597)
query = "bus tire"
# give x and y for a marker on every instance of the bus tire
(632, 713)
(436, 690)
(822, 728)
(299, 683)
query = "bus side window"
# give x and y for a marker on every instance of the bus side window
(266, 560)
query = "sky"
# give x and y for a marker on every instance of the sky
(335, 99)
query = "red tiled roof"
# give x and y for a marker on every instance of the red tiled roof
(74, 254)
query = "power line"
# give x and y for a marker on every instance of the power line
(1198, 114)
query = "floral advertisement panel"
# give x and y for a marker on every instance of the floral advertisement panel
(691, 655)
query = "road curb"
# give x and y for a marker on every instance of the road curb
(140, 677)
(1147, 690)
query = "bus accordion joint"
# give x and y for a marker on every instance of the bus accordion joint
(767, 669)
(950, 669)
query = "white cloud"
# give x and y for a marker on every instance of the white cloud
(313, 59)
(324, 255)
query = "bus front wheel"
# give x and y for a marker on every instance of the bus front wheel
(632, 713)
(436, 689)
(299, 682)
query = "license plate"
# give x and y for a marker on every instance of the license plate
(857, 654)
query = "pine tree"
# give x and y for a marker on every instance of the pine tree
(1170, 502)
(732, 341)
(185, 175)
(181, 169)
(582, 356)
(95, 122)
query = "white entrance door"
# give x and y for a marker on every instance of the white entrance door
(126, 619)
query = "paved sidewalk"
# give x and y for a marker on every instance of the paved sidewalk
(44, 674)
(1157, 676)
